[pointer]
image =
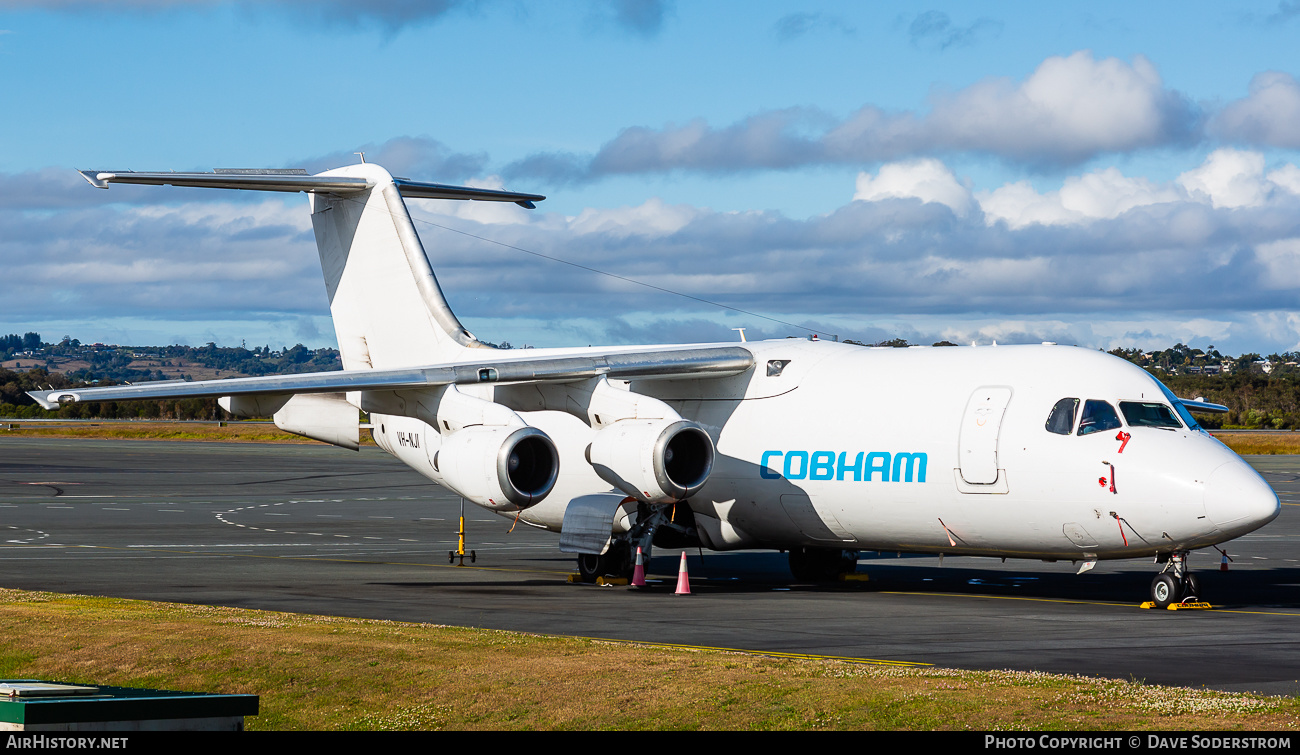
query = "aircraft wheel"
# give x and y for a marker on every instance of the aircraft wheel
(590, 566)
(821, 564)
(473, 557)
(1164, 590)
(619, 559)
(1193, 587)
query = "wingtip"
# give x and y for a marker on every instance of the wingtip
(92, 178)
(54, 399)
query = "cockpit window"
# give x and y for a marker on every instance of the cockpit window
(1098, 416)
(1061, 420)
(1148, 414)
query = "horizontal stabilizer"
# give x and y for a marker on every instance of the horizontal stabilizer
(664, 363)
(274, 179)
(419, 190)
(257, 181)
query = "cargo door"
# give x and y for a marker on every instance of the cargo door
(978, 439)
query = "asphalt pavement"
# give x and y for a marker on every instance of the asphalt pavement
(319, 530)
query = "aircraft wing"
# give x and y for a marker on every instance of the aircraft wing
(663, 363)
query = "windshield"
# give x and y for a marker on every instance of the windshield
(1097, 416)
(1148, 414)
(1186, 416)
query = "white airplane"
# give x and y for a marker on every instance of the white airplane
(817, 448)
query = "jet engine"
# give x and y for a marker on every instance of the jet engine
(653, 460)
(499, 468)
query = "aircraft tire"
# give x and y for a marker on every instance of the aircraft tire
(821, 564)
(1165, 590)
(590, 567)
(1192, 587)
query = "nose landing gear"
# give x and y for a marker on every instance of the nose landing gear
(1176, 587)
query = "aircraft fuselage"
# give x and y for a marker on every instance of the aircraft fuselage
(941, 450)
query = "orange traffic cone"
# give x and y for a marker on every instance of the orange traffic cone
(1223, 565)
(683, 581)
(638, 573)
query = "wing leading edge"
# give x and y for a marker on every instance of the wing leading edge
(688, 362)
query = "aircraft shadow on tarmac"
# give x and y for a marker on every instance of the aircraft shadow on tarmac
(753, 572)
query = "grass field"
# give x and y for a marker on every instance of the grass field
(316, 672)
(1260, 443)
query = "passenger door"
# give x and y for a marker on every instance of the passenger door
(978, 438)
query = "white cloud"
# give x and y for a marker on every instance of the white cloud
(1287, 178)
(1108, 193)
(1220, 244)
(927, 180)
(1281, 264)
(1228, 178)
(654, 216)
(1102, 194)
(1268, 116)
(1068, 110)
(1019, 204)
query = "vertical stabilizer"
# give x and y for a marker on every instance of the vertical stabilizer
(388, 309)
(387, 306)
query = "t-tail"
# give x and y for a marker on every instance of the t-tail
(387, 306)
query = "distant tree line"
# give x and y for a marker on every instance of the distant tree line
(110, 365)
(16, 404)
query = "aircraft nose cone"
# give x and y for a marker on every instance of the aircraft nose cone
(1237, 498)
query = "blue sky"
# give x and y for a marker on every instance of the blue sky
(1104, 174)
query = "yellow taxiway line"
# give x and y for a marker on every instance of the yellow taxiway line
(1066, 600)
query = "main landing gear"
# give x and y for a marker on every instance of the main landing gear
(613, 562)
(822, 564)
(664, 525)
(1175, 584)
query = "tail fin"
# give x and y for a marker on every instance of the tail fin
(388, 308)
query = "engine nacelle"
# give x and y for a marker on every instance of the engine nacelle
(653, 460)
(499, 468)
